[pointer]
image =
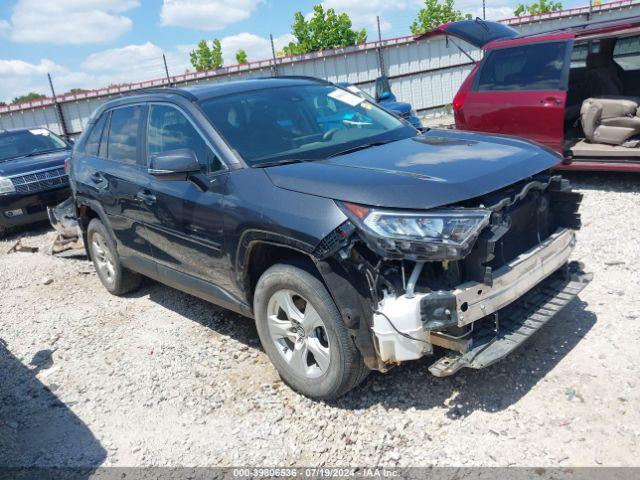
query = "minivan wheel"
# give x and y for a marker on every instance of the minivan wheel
(115, 278)
(303, 334)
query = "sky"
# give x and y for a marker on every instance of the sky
(94, 43)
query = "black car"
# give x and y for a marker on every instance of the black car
(32, 175)
(354, 240)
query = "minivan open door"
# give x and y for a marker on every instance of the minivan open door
(478, 32)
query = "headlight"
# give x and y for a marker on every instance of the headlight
(6, 186)
(434, 235)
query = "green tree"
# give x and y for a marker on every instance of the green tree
(324, 30)
(241, 57)
(205, 57)
(29, 96)
(216, 54)
(435, 13)
(541, 6)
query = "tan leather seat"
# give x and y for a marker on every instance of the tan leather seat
(610, 121)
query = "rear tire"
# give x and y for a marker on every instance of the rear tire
(303, 334)
(115, 278)
(3, 232)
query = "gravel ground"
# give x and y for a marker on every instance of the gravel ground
(161, 378)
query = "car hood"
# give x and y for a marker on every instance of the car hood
(431, 170)
(18, 166)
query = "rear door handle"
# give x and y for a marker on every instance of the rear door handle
(554, 100)
(146, 197)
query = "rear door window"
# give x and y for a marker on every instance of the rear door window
(535, 67)
(123, 140)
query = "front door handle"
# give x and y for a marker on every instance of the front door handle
(146, 197)
(97, 177)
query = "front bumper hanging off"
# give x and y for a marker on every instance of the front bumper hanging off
(525, 294)
(513, 325)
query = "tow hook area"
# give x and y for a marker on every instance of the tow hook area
(517, 322)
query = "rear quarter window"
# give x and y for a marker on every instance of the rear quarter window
(524, 68)
(627, 53)
(93, 140)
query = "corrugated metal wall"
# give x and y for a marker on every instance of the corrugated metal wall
(426, 72)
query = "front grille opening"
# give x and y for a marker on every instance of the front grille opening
(40, 181)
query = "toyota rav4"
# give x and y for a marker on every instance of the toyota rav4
(355, 241)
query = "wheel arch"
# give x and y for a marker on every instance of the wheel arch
(344, 289)
(87, 211)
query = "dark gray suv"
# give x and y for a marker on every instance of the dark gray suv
(355, 241)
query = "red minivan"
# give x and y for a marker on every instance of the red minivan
(576, 90)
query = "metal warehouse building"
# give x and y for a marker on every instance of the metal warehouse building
(424, 70)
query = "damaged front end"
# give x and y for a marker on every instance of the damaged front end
(476, 278)
(69, 239)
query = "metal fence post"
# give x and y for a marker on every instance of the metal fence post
(166, 69)
(60, 115)
(380, 56)
(274, 68)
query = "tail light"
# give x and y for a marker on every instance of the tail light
(458, 101)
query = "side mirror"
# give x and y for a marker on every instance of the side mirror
(174, 164)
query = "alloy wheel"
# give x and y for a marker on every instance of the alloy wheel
(103, 258)
(299, 333)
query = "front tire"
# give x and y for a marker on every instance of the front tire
(115, 278)
(303, 334)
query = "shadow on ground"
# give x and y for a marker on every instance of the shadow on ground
(492, 389)
(36, 428)
(604, 181)
(411, 385)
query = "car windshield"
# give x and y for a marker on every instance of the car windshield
(306, 122)
(22, 143)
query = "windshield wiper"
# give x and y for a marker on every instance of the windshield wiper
(34, 154)
(284, 161)
(360, 147)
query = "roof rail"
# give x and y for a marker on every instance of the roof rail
(296, 77)
(173, 90)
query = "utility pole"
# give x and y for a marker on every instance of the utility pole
(380, 57)
(61, 122)
(166, 69)
(484, 9)
(274, 68)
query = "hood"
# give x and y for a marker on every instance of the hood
(18, 166)
(436, 169)
(398, 107)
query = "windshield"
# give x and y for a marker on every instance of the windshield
(306, 122)
(28, 142)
